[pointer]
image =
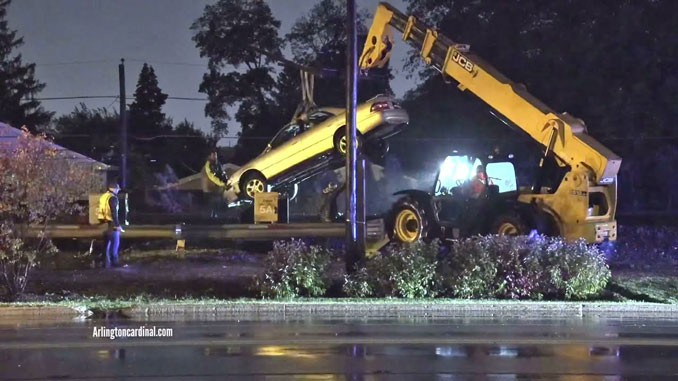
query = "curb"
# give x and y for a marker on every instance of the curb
(37, 312)
(353, 309)
(357, 309)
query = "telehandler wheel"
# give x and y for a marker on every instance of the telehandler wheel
(509, 224)
(410, 221)
(253, 183)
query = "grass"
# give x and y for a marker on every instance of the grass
(660, 289)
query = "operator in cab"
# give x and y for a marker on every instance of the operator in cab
(213, 182)
(478, 183)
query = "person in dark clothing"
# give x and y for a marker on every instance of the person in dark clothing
(108, 214)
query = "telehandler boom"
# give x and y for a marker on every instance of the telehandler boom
(583, 205)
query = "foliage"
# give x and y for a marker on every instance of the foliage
(39, 183)
(319, 39)
(294, 268)
(18, 85)
(523, 267)
(187, 152)
(232, 34)
(225, 34)
(404, 270)
(91, 132)
(148, 126)
(18, 257)
(145, 113)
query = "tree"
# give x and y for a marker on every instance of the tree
(238, 37)
(39, 184)
(18, 85)
(146, 116)
(91, 132)
(319, 39)
(188, 149)
(147, 124)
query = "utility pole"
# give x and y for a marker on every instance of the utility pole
(123, 126)
(355, 190)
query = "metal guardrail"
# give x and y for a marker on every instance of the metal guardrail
(231, 231)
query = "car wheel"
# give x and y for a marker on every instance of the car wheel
(252, 184)
(410, 221)
(341, 143)
(509, 224)
(376, 151)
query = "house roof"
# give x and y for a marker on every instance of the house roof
(8, 141)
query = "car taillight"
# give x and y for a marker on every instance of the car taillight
(379, 106)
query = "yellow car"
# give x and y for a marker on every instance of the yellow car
(299, 151)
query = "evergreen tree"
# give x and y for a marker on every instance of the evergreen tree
(146, 116)
(18, 85)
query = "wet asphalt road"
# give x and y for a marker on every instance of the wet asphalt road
(346, 348)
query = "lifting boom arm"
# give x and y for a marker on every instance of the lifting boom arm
(561, 134)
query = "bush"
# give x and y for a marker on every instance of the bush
(17, 258)
(576, 270)
(522, 267)
(293, 269)
(404, 270)
(38, 183)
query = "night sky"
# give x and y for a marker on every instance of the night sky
(77, 45)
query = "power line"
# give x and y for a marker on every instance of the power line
(113, 102)
(166, 62)
(83, 62)
(135, 60)
(74, 97)
(111, 97)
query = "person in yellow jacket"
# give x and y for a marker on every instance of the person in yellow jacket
(213, 182)
(108, 214)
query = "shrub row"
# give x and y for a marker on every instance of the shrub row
(538, 267)
(499, 267)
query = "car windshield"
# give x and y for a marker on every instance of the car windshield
(502, 174)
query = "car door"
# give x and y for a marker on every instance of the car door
(319, 138)
(279, 154)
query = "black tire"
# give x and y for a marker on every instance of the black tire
(252, 183)
(339, 146)
(509, 224)
(410, 221)
(376, 150)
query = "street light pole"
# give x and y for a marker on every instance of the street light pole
(355, 200)
(123, 126)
